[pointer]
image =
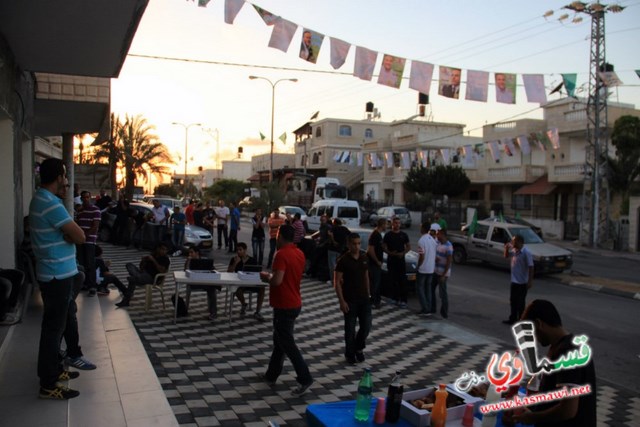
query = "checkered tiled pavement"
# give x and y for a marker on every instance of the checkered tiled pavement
(209, 370)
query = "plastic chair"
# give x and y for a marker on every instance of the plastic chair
(157, 285)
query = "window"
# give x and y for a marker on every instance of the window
(521, 202)
(318, 131)
(368, 133)
(348, 212)
(481, 232)
(345, 130)
(499, 235)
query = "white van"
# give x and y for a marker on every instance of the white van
(347, 210)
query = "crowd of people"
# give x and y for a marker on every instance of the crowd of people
(69, 259)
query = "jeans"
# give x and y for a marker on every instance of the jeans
(257, 244)
(356, 342)
(233, 240)
(222, 232)
(441, 282)
(137, 277)
(178, 237)
(71, 335)
(284, 345)
(517, 298)
(272, 251)
(423, 287)
(375, 276)
(56, 296)
(86, 255)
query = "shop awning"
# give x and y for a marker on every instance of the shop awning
(540, 187)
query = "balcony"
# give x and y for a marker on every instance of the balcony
(515, 174)
(567, 173)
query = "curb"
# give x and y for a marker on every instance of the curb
(603, 289)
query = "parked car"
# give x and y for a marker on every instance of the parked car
(292, 210)
(389, 212)
(193, 236)
(519, 221)
(165, 201)
(486, 244)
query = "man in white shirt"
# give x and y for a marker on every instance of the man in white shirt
(222, 215)
(426, 266)
(160, 219)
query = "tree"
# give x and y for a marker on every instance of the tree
(229, 190)
(624, 169)
(166, 190)
(438, 180)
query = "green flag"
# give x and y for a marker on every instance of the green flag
(283, 138)
(474, 224)
(518, 215)
(570, 83)
(501, 217)
(262, 137)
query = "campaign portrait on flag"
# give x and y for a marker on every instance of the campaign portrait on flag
(310, 45)
(505, 88)
(391, 71)
(477, 86)
(450, 82)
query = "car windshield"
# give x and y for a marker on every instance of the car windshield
(527, 234)
(294, 210)
(401, 211)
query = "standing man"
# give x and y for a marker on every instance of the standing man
(188, 211)
(54, 235)
(222, 214)
(274, 222)
(257, 236)
(444, 258)
(572, 411)
(351, 282)
(285, 298)
(396, 245)
(338, 234)
(521, 276)
(235, 227)
(160, 219)
(178, 222)
(88, 218)
(427, 246)
(375, 255)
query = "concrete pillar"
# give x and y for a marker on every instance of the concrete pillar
(67, 158)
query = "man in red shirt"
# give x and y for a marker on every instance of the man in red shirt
(285, 298)
(274, 222)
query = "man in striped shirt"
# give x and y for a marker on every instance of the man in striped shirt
(88, 218)
(53, 238)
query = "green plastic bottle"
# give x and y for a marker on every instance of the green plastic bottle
(363, 400)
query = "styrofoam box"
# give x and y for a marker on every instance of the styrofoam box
(248, 275)
(422, 417)
(202, 274)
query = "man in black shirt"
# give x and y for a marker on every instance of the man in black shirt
(338, 234)
(351, 281)
(150, 265)
(375, 254)
(579, 411)
(396, 245)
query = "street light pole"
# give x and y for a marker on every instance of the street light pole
(273, 103)
(186, 146)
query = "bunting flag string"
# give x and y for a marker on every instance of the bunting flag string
(421, 73)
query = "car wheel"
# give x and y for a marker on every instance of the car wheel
(459, 255)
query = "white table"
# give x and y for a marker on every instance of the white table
(230, 281)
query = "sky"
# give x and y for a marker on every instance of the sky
(187, 65)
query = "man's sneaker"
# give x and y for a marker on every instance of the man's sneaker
(359, 356)
(59, 392)
(123, 303)
(267, 381)
(301, 389)
(81, 363)
(92, 292)
(68, 375)
(243, 309)
(259, 317)
(103, 291)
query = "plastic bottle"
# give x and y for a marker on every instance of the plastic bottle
(394, 399)
(439, 412)
(489, 419)
(363, 400)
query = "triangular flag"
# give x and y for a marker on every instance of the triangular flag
(283, 138)
(203, 3)
(262, 137)
(282, 34)
(315, 115)
(557, 88)
(534, 88)
(477, 86)
(420, 76)
(339, 51)
(268, 17)
(231, 9)
(365, 61)
(554, 138)
(569, 81)
(523, 142)
(638, 73)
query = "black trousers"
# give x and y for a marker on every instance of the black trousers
(517, 298)
(284, 345)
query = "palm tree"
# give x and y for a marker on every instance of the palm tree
(133, 146)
